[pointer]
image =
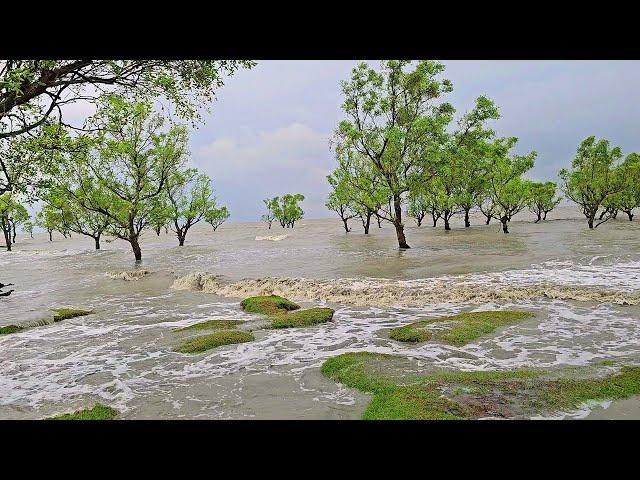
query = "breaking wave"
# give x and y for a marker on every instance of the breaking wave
(273, 238)
(129, 275)
(474, 289)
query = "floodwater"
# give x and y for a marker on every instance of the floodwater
(584, 287)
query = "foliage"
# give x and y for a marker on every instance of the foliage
(542, 199)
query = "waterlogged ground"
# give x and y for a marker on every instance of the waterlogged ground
(584, 288)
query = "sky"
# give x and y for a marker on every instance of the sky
(269, 129)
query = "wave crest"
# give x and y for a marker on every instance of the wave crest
(386, 292)
(128, 275)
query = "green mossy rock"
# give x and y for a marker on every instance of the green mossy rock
(302, 318)
(213, 340)
(10, 329)
(268, 305)
(400, 395)
(466, 327)
(98, 412)
(66, 313)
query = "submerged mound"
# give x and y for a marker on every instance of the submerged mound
(128, 275)
(284, 313)
(7, 329)
(98, 412)
(302, 318)
(268, 305)
(213, 340)
(464, 328)
(403, 395)
(66, 313)
(212, 325)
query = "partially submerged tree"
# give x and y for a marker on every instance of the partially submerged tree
(217, 216)
(191, 200)
(71, 216)
(270, 216)
(125, 166)
(391, 119)
(49, 219)
(595, 176)
(286, 209)
(629, 198)
(510, 193)
(543, 199)
(418, 207)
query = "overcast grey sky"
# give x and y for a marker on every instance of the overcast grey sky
(268, 132)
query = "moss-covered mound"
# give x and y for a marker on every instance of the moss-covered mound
(268, 305)
(213, 340)
(302, 318)
(66, 313)
(404, 395)
(465, 327)
(98, 412)
(212, 325)
(284, 313)
(10, 329)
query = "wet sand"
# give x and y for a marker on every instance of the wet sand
(583, 286)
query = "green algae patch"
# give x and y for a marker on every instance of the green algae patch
(213, 340)
(268, 305)
(399, 393)
(212, 325)
(10, 329)
(302, 318)
(66, 313)
(465, 327)
(98, 412)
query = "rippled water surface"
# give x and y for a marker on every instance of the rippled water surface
(584, 287)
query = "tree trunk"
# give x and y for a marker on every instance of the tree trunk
(539, 218)
(158, 230)
(504, 221)
(51, 235)
(379, 222)
(614, 214)
(604, 212)
(466, 218)
(545, 215)
(434, 217)
(590, 221)
(629, 214)
(135, 246)
(97, 239)
(397, 222)
(346, 227)
(13, 228)
(446, 218)
(367, 223)
(7, 238)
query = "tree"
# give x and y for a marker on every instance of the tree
(18, 216)
(125, 166)
(543, 199)
(629, 198)
(31, 91)
(7, 206)
(49, 219)
(286, 209)
(71, 216)
(510, 193)
(191, 200)
(417, 207)
(28, 227)
(217, 216)
(594, 177)
(340, 204)
(391, 119)
(462, 163)
(359, 187)
(270, 216)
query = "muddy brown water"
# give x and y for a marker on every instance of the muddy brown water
(584, 287)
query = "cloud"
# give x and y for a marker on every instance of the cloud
(247, 169)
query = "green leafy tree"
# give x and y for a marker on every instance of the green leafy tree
(191, 200)
(49, 219)
(510, 193)
(270, 216)
(217, 216)
(125, 166)
(28, 227)
(594, 178)
(339, 203)
(629, 197)
(71, 216)
(543, 199)
(391, 120)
